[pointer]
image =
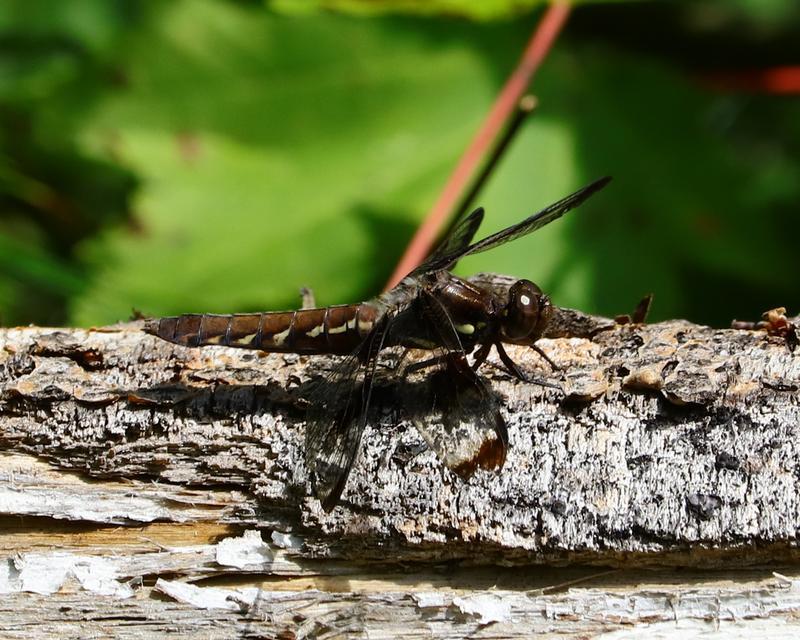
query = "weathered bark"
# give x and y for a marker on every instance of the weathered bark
(671, 444)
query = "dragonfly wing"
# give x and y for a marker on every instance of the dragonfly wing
(529, 225)
(333, 430)
(455, 242)
(338, 414)
(458, 416)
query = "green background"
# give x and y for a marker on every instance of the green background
(212, 155)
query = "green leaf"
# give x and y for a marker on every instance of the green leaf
(474, 9)
(28, 263)
(477, 9)
(268, 164)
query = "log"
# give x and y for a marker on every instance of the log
(165, 489)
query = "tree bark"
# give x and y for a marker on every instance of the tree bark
(670, 444)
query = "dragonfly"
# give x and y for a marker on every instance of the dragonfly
(450, 318)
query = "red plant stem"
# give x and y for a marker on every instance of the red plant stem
(503, 108)
(775, 80)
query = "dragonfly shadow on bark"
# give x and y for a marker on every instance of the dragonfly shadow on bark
(454, 410)
(457, 413)
(219, 401)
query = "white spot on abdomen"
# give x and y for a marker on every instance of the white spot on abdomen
(315, 331)
(279, 338)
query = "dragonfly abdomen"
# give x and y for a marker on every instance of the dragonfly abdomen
(335, 330)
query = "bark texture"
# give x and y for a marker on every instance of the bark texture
(153, 466)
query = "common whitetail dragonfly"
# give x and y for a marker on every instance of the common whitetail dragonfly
(430, 309)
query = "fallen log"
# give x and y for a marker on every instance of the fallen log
(668, 444)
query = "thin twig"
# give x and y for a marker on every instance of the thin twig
(523, 110)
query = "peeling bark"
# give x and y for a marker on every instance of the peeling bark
(767, 608)
(671, 444)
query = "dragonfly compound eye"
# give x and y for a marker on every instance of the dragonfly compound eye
(526, 310)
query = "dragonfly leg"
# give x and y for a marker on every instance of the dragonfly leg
(483, 352)
(546, 358)
(455, 361)
(480, 356)
(512, 367)
(424, 364)
(516, 371)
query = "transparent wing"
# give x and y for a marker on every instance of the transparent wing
(529, 225)
(456, 241)
(333, 430)
(337, 417)
(457, 415)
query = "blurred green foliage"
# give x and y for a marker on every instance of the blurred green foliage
(213, 155)
(475, 9)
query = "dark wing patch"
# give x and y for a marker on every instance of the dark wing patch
(456, 241)
(458, 416)
(530, 224)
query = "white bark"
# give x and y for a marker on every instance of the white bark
(674, 445)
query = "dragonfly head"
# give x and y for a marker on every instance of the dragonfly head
(525, 315)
